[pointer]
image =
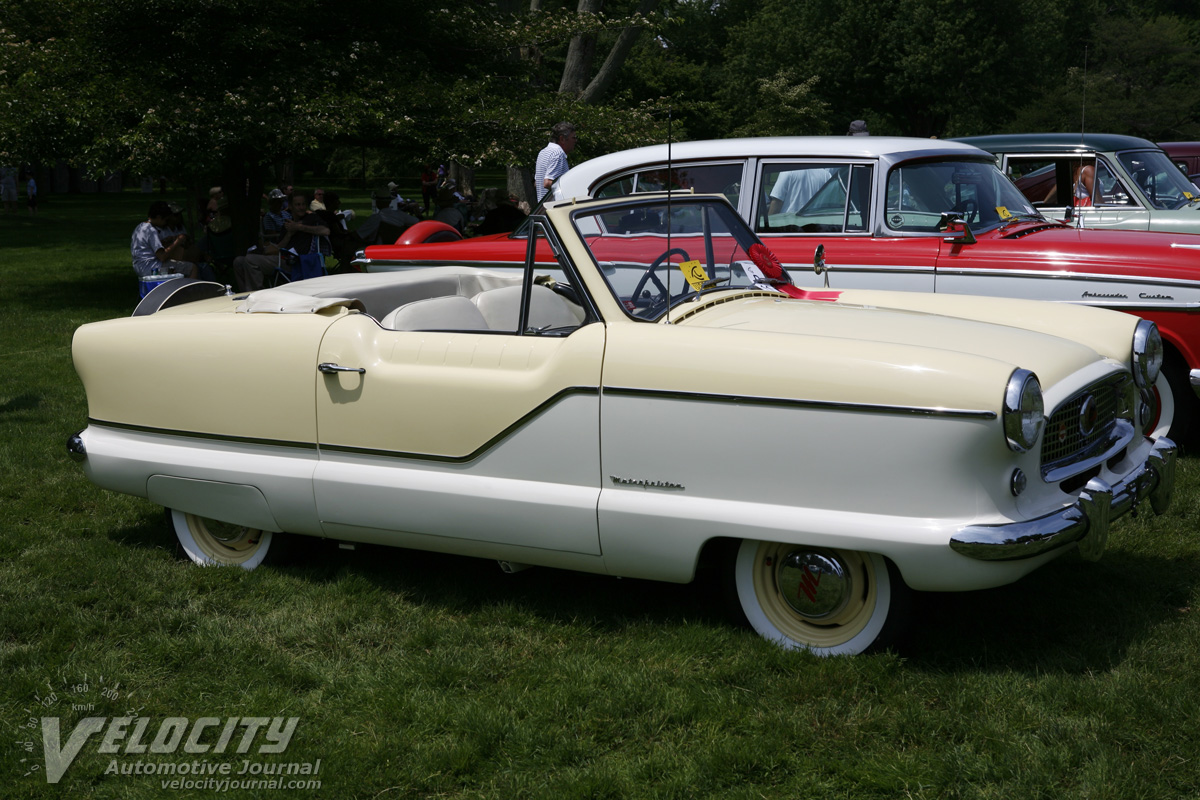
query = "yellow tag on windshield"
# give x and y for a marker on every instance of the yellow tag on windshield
(1003, 212)
(695, 274)
(1189, 195)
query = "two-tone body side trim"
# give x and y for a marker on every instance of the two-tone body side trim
(212, 437)
(782, 402)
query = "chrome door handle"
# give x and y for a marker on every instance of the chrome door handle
(333, 369)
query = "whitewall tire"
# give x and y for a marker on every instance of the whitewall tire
(209, 543)
(1165, 394)
(829, 602)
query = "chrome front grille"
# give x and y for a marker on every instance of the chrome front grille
(1083, 423)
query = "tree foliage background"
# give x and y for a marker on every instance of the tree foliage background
(207, 88)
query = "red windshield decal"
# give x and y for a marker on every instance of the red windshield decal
(808, 294)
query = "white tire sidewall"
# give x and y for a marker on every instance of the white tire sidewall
(744, 580)
(183, 532)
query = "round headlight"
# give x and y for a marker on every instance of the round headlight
(1147, 353)
(1023, 410)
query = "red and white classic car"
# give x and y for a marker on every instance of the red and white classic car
(892, 213)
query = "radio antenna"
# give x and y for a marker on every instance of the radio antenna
(670, 194)
(666, 45)
(1083, 101)
(1082, 133)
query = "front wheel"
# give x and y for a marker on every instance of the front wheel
(1180, 414)
(1164, 393)
(830, 602)
(208, 542)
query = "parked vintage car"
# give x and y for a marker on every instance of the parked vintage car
(1186, 156)
(1135, 186)
(880, 208)
(656, 394)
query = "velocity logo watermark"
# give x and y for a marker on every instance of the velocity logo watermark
(127, 735)
(124, 740)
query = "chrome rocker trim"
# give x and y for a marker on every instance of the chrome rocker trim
(1194, 377)
(1086, 521)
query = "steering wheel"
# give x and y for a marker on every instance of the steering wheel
(567, 292)
(649, 275)
(969, 209)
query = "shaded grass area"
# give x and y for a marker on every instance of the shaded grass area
(420, 675)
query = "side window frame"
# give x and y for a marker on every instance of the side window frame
(636, 177)
(856, 169)
(540, 228)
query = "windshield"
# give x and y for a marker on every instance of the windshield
(1158, 179)
(918, 193)
(656, 254)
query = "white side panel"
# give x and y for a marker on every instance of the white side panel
(124, 461)
(1095, 290)
(536, 488)
(721, 469)
(235, 503)
(902, 465)
(657, 536)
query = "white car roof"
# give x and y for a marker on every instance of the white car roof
(578, 181)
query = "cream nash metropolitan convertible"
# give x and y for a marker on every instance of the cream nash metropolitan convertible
(663, 394)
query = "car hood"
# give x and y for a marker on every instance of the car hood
(911, 328)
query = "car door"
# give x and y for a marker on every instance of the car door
(801, 204)
(461, 429)
(1048, 181)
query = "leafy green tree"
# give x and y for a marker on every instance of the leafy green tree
(228, 87)
(1140, 79)
(909, 67)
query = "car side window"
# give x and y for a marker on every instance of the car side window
(1037, 178)
(550, 300)
(1110, 191)
(813, 198)
(723, 179)
(1051, 182)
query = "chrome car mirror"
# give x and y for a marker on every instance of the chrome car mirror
(819, 263)
(956, 228)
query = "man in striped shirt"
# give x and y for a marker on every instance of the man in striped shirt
(552, 161)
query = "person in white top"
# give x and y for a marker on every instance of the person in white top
(552, 160)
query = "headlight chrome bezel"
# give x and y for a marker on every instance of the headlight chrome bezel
(1147, 353)
(1024, 411)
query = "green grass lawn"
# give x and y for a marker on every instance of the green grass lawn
(416, 675)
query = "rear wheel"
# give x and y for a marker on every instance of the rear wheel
(208, 542)
(830, 602)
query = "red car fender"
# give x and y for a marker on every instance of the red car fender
(429, 230)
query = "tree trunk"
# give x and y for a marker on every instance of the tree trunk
(580, 54)
(463, 177)
(616, 58)
(242, 182)
(520, 185)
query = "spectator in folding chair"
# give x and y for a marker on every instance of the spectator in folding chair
(341, 245)
(273, 219)
(148, 251)
(251, 271)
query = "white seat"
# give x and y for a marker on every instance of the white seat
(451, 313)
(502, 307)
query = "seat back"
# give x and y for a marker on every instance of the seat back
(502, 308)
(452, 312)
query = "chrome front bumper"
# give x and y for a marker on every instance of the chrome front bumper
(1085, 522)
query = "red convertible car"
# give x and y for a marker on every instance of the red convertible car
(890, 213)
